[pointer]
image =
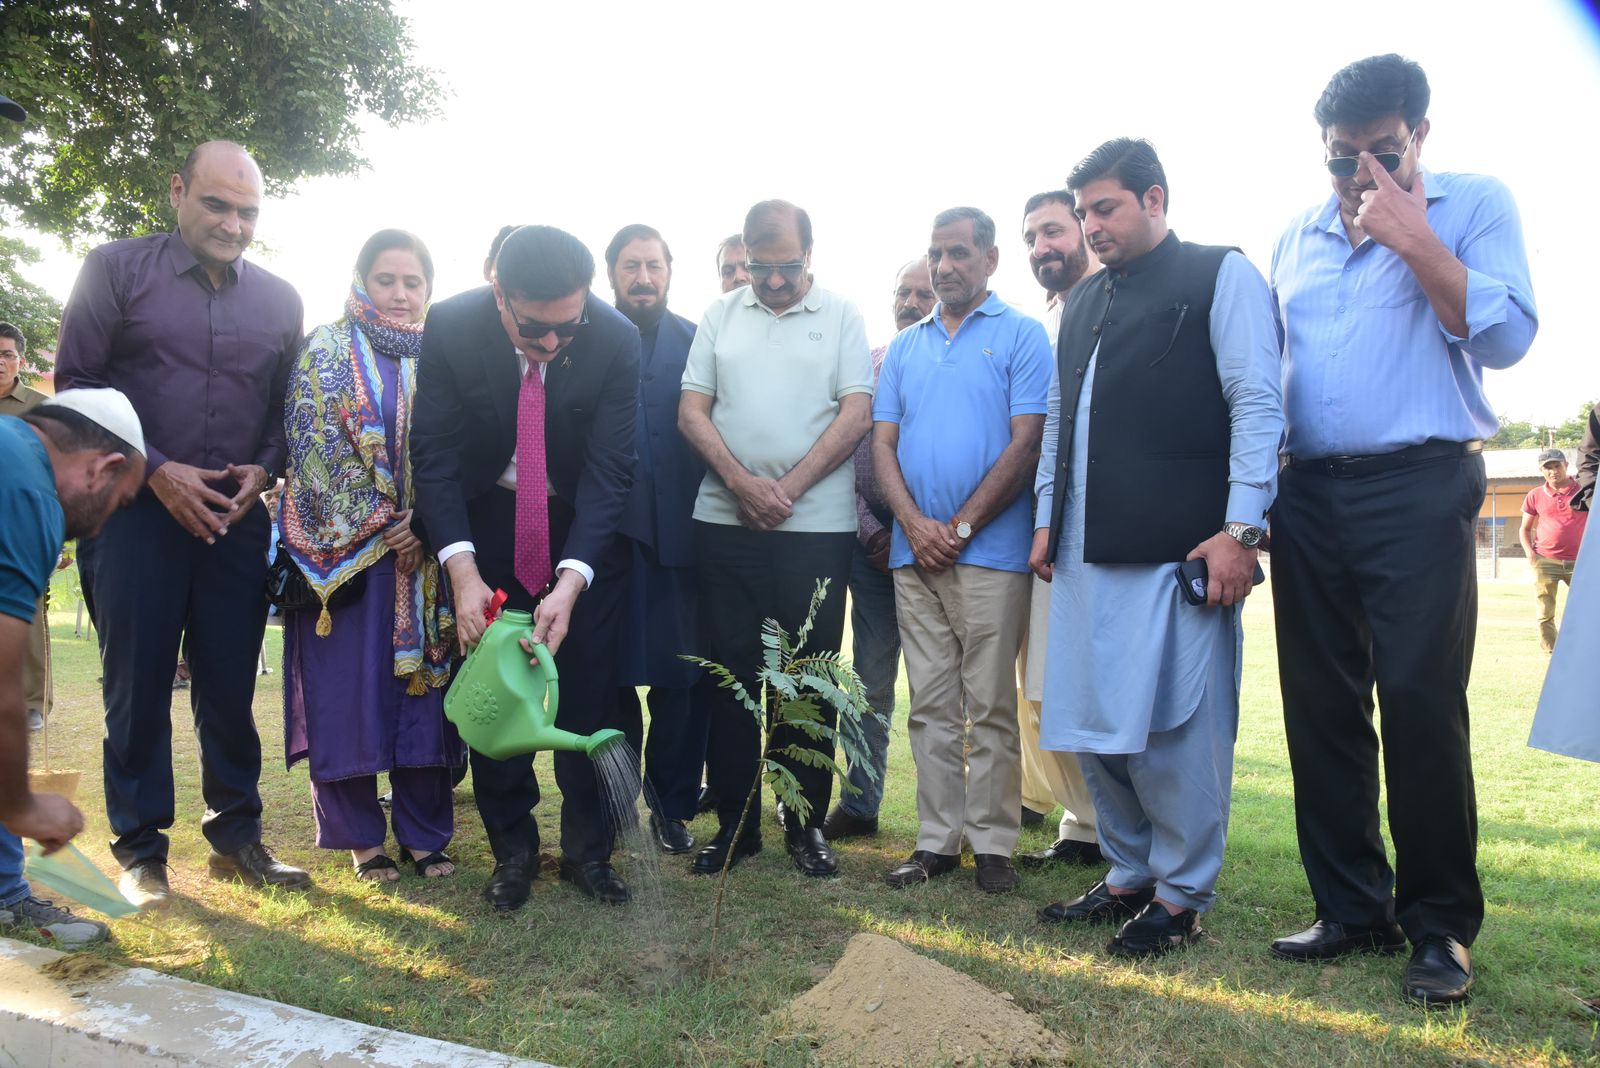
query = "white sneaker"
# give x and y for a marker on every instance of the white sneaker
(59, 924)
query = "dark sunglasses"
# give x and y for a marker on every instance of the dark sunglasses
(792, 272)
(533, 329)
(1346, 166)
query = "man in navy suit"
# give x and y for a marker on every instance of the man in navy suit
(660, 621)
(523, 454)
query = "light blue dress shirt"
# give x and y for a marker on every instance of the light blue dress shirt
(1367, 366)
(1127, 656)
(954, 398)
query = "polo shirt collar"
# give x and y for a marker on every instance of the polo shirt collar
(183, 260)
(992, 305)
(811, 302)
(1328, 220)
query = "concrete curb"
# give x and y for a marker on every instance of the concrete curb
(128, 1017)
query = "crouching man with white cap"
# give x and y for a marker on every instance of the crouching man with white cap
(69, 463)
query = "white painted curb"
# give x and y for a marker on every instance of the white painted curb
(130, 1017)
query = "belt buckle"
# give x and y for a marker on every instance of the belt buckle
(1338, 466)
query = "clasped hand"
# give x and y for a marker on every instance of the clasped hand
(202, 511)
(763, 504)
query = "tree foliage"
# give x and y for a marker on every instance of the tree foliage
(25, 305)
(118, 91)
(1521, 434)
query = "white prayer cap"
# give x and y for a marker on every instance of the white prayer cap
(110, 409)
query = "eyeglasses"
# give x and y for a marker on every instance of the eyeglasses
(1346, 166)
(533, 329)
(792, 272)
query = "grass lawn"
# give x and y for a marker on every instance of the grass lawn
(575, 983)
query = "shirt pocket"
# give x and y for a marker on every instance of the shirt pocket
(1389, 283)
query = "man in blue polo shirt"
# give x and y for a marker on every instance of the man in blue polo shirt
(957, 424)
(69, 463)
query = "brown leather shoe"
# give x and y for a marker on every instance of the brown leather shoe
(996, 873)
(255, 865)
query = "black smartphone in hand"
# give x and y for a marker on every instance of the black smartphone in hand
(1192, 576)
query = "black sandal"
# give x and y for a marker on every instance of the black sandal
(422, 865)
(377, 863)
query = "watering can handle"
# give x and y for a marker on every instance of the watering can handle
(547, 662)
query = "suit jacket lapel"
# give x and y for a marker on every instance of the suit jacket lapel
(503, 371)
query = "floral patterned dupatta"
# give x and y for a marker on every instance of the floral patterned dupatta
(342, 489)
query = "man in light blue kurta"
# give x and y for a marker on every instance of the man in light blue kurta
(1141, 684)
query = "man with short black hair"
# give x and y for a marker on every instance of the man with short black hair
(201, 340)
(730, 263)
(69, 464)
(494, 249)
(776, 395)
(659, 527)
(1167, 375)
(522, 444)
(1393, 295)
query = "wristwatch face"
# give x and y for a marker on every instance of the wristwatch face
(1247, 535)
(963, 530)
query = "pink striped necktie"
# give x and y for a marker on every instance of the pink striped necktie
(531, 555)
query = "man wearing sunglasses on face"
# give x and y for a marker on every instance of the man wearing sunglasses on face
(1392, 296)
(523, 450)
(777, 392)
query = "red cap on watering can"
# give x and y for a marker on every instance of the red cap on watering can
(497, 602)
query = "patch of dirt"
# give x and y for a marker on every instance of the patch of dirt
(883, 1005)
(77, 968)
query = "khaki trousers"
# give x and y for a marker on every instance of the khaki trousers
(1548, 574)
(961, 632)
(1049, 778)
(36, 667)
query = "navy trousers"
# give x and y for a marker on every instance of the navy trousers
(153, 590)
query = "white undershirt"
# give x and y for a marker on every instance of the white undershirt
(508, 480)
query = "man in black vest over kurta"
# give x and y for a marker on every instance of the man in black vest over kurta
(522, 445)
(1160, 447)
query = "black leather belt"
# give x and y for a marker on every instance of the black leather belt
(1359, 466)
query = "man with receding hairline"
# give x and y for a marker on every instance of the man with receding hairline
(201, 342)
(730, 263)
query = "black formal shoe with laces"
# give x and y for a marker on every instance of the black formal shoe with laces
(841, 823)
(1155, 931)
(1328, 940)
(920, 867)
(255, 865)
(710, 859)
(1439, 973)
(598, 879)
(671, 835)
(1099, 905)
(1064, 851)
(145, 886)
(811, 852)
(512, 878)
(996, 873)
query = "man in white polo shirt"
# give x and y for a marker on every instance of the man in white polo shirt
(777, 391)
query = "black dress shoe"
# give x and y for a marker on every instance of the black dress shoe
(841, 823)
(144, 884)
(710, 859)
(1030, 818)
(1099, 905)
(1065, 851)
(996, 873)
(811, 852)
(920, 867)
(1439, 974)
(509, 884)
(1327, 940)
(254, 864)
(671, 835)
(1155, 931)
(598, 879)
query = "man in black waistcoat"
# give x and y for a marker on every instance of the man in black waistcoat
(1160, 447)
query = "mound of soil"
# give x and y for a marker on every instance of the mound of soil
(884, 1005)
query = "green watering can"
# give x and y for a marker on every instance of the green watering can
(503, 705)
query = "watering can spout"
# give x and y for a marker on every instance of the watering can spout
(545, 738)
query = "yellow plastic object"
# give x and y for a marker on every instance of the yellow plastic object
(71, 874)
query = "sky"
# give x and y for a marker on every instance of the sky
(875, 117)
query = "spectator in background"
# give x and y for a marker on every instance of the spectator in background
(731, 272)
(364, 679)
(494, 249)
(1552, 530)
(17, 399)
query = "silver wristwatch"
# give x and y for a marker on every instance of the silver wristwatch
(1244, 534)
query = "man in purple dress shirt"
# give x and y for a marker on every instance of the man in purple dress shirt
(201, 342)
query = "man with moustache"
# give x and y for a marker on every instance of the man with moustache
(776, 396)
(1058, 257)
(1161, 448)
(18, 399)
(201, 341)
(874, 630)
(956, 425)
(1393, 295)
(730, 263)
(659, 617)
(523, 450)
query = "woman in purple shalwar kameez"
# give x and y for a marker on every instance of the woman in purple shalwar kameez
(364, 676)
